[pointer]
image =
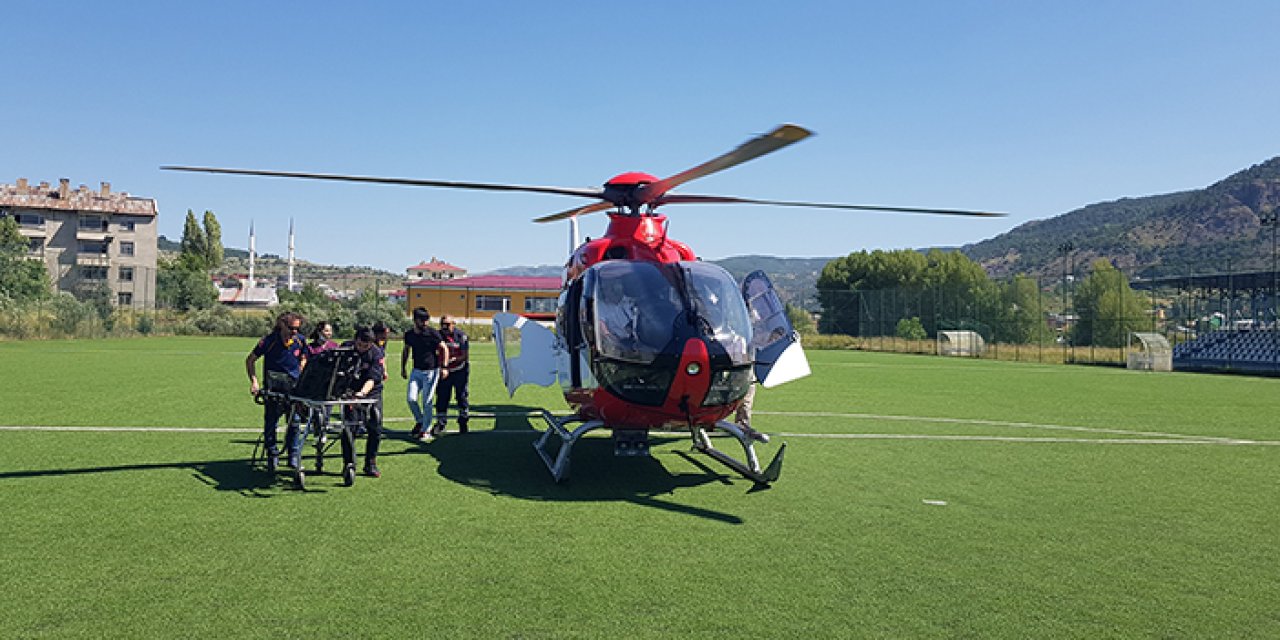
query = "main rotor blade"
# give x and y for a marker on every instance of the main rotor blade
(749, 150)
(588, 192)
(577, 211)
(693, 199)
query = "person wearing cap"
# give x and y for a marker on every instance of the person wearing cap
(456, 382)
(283, 353)
(370, 373)
(429, 357)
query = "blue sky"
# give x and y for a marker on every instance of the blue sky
(1030, 108)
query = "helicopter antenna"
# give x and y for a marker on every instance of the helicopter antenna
(573, 234)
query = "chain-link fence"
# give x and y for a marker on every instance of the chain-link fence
(1215, 321)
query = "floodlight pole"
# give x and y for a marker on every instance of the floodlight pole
(1066, 248)
(1269, 216)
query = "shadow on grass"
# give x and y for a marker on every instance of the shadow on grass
(504, 462)
(224, 475)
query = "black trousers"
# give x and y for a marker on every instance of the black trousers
(372, 415)
(456, 385)
(272, 411)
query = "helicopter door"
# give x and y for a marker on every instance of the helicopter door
(779, 357)
(530, 359)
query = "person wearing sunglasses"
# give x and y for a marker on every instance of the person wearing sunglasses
(456, 381)
(283, 354)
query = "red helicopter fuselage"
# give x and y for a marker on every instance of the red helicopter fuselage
(677, 369)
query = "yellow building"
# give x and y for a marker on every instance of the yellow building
(478, 298)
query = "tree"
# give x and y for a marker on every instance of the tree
(801, 320)
(20, 277)
(180, 285)
(1016, 315)
(213, 240)
(867, 293)
(195, 245)
(1107, 309)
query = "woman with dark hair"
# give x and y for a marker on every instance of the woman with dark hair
(321, 338)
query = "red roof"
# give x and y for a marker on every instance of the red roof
(525, 283)
(434, 265)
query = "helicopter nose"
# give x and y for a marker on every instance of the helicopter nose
(691, 378)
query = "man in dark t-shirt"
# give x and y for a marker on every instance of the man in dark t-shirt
(283, 354)
(370, 373)
(429, 356)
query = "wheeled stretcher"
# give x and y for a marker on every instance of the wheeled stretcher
(322, 393)
(316, 418)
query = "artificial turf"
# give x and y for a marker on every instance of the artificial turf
(921, 497)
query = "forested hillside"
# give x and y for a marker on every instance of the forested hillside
(1218, 228)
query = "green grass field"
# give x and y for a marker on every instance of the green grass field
(1079, 502)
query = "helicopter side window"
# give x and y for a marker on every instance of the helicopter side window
(585, 298)
(571, 328)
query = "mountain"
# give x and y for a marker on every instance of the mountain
(1216, 229)
(795, 279)
(543, 271)
(165, 244)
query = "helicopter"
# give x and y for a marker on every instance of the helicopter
(647, 336)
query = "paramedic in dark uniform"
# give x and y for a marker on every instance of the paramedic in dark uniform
(369, 376)
(283, 353)
(455, 383)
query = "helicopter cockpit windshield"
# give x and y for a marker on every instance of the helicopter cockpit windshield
(636, 309)
(645, 309)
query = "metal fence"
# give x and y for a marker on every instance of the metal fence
(1054, 320)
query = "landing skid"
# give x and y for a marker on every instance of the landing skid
(559, 467)
(557, 461)
(751, 469)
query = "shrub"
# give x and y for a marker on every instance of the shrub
(911, 329)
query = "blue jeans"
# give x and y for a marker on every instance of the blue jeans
(422, 386)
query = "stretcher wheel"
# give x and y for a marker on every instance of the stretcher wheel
(299, 480)
(349, 475)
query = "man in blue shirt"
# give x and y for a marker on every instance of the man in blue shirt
(283, 354)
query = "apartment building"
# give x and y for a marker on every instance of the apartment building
(89, 238)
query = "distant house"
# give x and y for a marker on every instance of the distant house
(480, 297)
(260, 297)
(435, 270)
(88, 239)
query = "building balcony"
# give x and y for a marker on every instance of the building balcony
(92, 234)
(93, 259)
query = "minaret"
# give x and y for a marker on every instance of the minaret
(291, 254)
(251, 254)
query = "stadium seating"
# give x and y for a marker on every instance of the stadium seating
(1246, 350)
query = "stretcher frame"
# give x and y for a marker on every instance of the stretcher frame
(313, 417)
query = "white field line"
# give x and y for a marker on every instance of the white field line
(994, 423)
(1033, 439)
(818, 436)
